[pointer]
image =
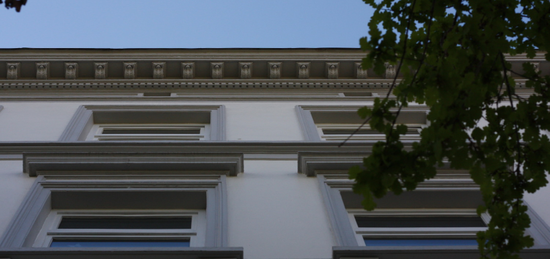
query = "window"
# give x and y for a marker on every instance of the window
(106, 201)
(130, 123)
(337, 123)
(107, 132)
(116, 228)
(417, 227)
(438, 219)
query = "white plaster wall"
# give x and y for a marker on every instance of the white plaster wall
(273, 121)
(14, 186)
(539, 203)
(35, 121)
(274, 212)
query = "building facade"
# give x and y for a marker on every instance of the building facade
(215, 153)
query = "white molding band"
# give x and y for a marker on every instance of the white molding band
(36, 164)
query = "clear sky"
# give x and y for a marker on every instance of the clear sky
(185, 24)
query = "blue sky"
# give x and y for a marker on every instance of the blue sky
(185, 24)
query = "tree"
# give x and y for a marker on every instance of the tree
(14, 4)
(451, 54)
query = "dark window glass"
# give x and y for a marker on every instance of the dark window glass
(418, 222)
(119, 243)
(410, 130)
(151, 131)
(421, 242)
(125, 223)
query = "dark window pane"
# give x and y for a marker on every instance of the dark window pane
(348, 131)
(120, 243)
(151, 131)
(125, 223)
(361, 131)
(418, 222)
(420, 242)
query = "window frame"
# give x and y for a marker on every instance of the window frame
(331, 171)
(97, 132)
(416, 232)
(199, 177)
(50, 229)
(86, 116)
(313, 131)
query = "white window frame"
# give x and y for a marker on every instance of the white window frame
(96, 132)
(345, 117)
(421, 232)
(331, 171)
(97, 181)
(195, 234)
(86, 117)
(359, 136)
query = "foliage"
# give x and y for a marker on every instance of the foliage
(452, 55)
(14, 4)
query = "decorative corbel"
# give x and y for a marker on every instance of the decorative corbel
(274, 69)
(101, 70)
(536, 66)
(331, 70)
(158, 70)
(360, 73)
(303, 70)
(42, 70)
(71, 70)
(245, 70)
(130, 70)
(217, 70)
(390, 71)
(188, 70)
(13, 70)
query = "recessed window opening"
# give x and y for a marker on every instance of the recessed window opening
(122, 228)
(419, 222)
(420, 242)
(114, 132)
(343, 131)
(328, 130)
(146, 130)
(119, 243)
(157, 94)
(125, 223)
(359, 94)
(417, 227)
